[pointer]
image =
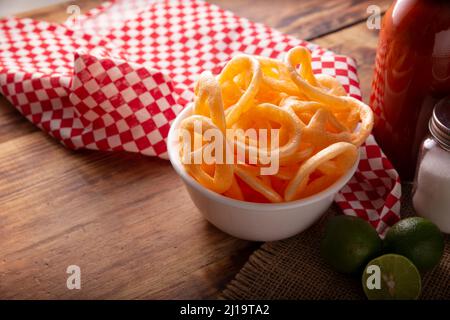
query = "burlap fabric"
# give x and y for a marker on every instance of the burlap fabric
(294, 269)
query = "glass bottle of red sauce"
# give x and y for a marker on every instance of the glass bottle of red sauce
(412, 73)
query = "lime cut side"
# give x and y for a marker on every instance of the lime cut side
(391, 277)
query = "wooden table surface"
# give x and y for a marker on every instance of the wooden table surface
(126, 219)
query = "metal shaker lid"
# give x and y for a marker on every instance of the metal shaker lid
(439, 124)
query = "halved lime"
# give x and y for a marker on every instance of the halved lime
(391, 277)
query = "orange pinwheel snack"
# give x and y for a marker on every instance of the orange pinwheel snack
(265, 130)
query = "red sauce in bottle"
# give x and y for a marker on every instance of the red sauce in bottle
(412, 73)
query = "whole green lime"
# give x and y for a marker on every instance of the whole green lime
(391, 277)
(418, 239)
(349, 243)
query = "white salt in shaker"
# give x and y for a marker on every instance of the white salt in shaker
(431, 192)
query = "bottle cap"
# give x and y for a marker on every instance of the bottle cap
(439, 124)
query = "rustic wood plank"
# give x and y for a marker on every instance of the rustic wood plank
(57, 13)
(125, 219)
(306, 19)
(114, 215)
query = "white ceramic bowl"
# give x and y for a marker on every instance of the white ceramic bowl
(248, 220)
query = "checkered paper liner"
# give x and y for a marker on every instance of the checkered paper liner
(116, 79)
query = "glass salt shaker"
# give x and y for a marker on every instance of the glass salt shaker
(431, 192)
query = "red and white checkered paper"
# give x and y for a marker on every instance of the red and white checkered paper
(116, 79)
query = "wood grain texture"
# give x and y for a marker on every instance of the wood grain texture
(125, 219)
(57, 13)
(306, 19)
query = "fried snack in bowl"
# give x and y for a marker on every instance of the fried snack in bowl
(266, 144)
